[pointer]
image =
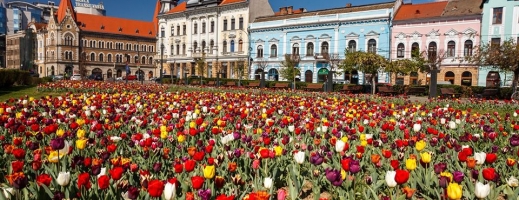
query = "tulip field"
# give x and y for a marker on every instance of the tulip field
(100, 140)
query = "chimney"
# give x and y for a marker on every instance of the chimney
(283, 11)
(348, 5)
(290, 10)
(302, 10)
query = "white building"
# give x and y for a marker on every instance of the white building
(216, 30)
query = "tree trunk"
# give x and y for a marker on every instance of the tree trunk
(373, 84)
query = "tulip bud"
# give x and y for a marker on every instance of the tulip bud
(482, 190)
(390, 179)
(267, 182)
(63, 178)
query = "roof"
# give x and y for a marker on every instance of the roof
(114, 25)
(298, 11)
(62, 10)
(179, 8)
(462, 8)
(328, 11)
(418, 11)
(155, 14)
(224, 2)
(39, 25)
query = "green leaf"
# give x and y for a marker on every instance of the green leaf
(47, 190)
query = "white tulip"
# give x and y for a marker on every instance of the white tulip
(299, 157)
(515, 114)
(390, 178)
(63, 178)
(324, 128)
(175, 115)
(339, 146)
(280, 111)
(65, 149)
(116, 138)
(227, 138)
(480, 157)
(512, 181)
(417, 127)
(267, 182)
(291, 128)
(102, 172)
(204, 109)
(366, 121)
(452, 125)
(442, 121)
(88, 113)
(458, 121)
(482, 190)
(169, 191)
(369, 136)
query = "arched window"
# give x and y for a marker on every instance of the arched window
(324, 47)
(415, 50)
(232, 45)
(468, 48)
(259, 51)
(150, 60)
(400, 50)
(240, 45)
(451, 49)
(101, 57)
(310, 49)
(449, 76)
(68, 39)
(224, 46)
(109, 58)
(178, 49)
(183, 49)
(352, 46)
(432, 51)
(195, 46)
(295, 49)
(466, 78)
(203, 46)
(172, 47)
(143, 60)
(372, 46)
(109, 73)
(211, 46)
(92, 57)
(136, 59)
(273, 51)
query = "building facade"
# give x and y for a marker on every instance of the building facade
(448, 29)
(313, 38)
(213, 30)
(499, 23)
(87, 44)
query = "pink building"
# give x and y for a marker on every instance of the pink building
(449, 28)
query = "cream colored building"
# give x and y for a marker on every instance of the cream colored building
(215, 30)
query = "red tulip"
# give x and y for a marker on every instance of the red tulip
(395, 164)
(111, 148)
(83, 180)
(116, 173)
(43, 179)
(489, 174)
(386, 153)
(178, 168)
(19, 153)
(199, 156)
(189, 165)
(401, 176)
(491, 158)
(155, 188)
(17, 166)
(224, 197)
(103, 182)
(462, 156)
(197, 182)
(264, 153)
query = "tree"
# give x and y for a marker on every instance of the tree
(503, 56)
(369, 63)
(333, 60)
(201, 66)
(262, 64)
(240, 68)
(289, 68)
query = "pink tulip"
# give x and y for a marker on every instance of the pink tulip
(282, 194)
(255, 164)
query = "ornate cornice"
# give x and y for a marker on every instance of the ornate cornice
(317, 25)
(204, 10)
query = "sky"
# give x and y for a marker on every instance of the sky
(143, 9)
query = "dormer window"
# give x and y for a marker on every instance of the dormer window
(120, 29)
(137, 31)
(102, 27)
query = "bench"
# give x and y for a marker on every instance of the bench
(230, 84)
(489, 93)
(386, 90)
(313, 86)
(416, 91)
(352, 89)
(280, 85)
(449, 92)
(211, 83)
(253, 84)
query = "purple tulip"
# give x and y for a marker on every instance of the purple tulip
(354, 166)
(457, 176)
(57, 143)
(475, 174)
(334, 176)
(316, 159)
(157, 166)
(204, 194)
(58, 196)
(20, 182)
(440, 167)
(444, 181)
(133, 192)
(514, 140)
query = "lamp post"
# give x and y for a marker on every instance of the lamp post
(161, 56)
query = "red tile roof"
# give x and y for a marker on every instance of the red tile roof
(155, 14)
(62, 10)
(224, 2)
(418, 11)
(298, 11)
(179, 8)
(114, 25)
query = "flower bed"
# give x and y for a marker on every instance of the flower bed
(252, 145)
(99, 86)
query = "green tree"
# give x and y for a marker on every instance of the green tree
(368, 63)
(289, 69)
(201, 66)
(503, 56)
(239, 68)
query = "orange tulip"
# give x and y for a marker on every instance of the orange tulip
(375, 158)
(510, 162)
(191, 151)
(232, 166)
(408, 192)
(471, 162)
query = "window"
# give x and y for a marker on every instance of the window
(497, 15)
(232, 46)
(162, 32)
(109, 57)
(68, 40)
(240, 23)
(211, 46)
(372, 46)
(172, 49)
(400, 49)
(225, 46)
(101, 57)
(310, 49)
(178, 49)
(172, 30)
(92, 57)
(273, 51)
(415, 50)
(212, 26)
(203, 46)
(183, 49)
(260, 51)
(184, 30)
(195, 28)
(240, 45)
(178, 30)
(224, 24)
(451, 49)
(432, 51)
(295, 49)
(468, 48)
(195, 46)
(495, 42)
(143, 60)
(324, 47)
(136, 59)
(203, 27)
(233, 23)
(352, 46)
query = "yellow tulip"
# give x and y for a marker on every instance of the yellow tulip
(362, 136)
(426, 157)
(447, 174)
(420, 145)
(343, 174)
(181, 138)
(81, 143)
(53, 157)
(209, 171)
(344, 139)
(364, 143)
(1, 111)
(454, 191)
(278, 150)
(193, 124)
(163, 134)
(80, 133)
(410, 163)
(164, 128)
(60, 132)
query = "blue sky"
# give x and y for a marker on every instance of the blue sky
(143, 9)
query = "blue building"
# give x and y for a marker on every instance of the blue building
(312, 37)
(499, 23)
